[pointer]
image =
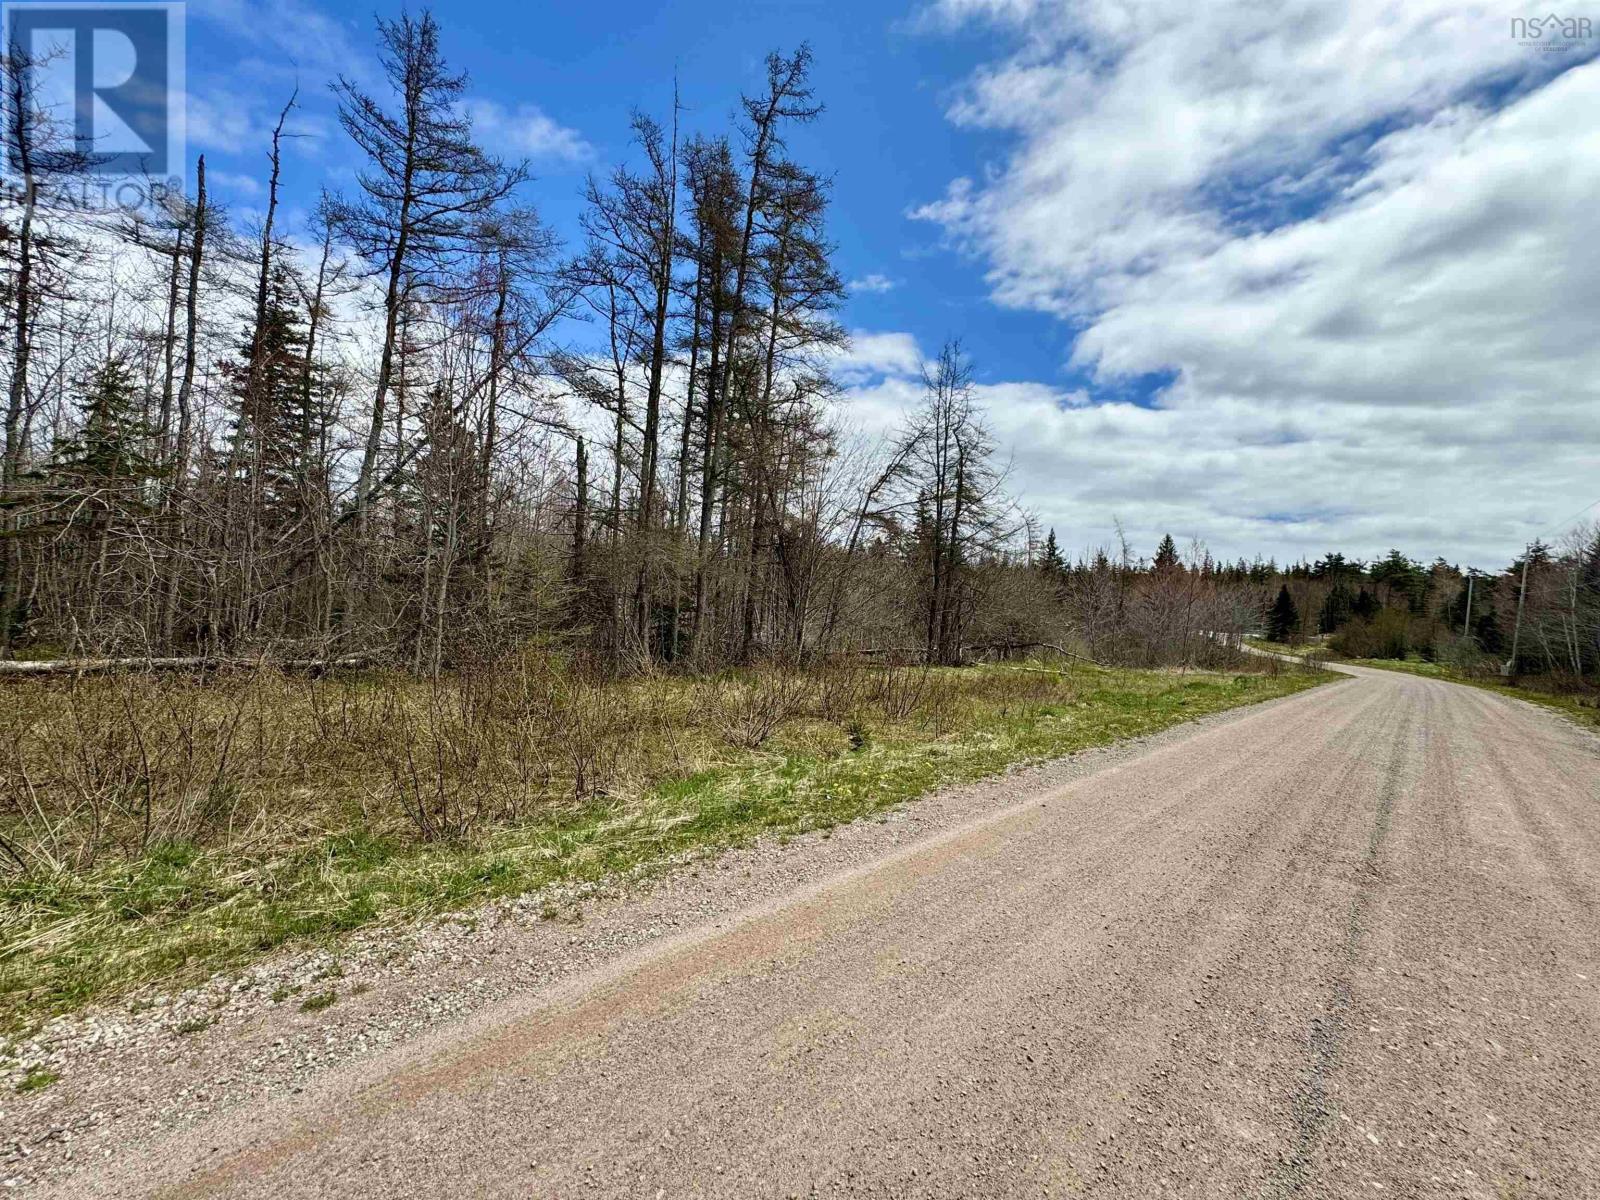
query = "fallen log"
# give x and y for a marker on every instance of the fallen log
(103, 666)
(1062, 650)
(921, 652)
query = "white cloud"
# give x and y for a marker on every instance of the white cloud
(1372, 279)
(873, 355)
(874, 284)
(299, 33)
(527, 132)
(217, 120)
(236, 117)
(241, 184)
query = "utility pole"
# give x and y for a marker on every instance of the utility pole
(1522, 595)
(1466, 621)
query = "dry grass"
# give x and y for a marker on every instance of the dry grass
(160, 828)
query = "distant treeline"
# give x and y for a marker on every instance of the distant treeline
(1397, 608)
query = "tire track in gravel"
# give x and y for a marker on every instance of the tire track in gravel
(1475, 1075)
(1327, 811)
(1310, 1106)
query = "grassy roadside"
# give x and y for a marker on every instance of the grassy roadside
(1295, 650)
(1582, 710)
(183, 908)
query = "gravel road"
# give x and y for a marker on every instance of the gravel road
(1345, 944)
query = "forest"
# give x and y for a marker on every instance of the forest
(1537, 621)
(421, 433)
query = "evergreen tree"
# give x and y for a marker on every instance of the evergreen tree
(424, 193)
(1052, 565)
(1366, 605)
(1538, 557)
(1481, 591)
(1486, 629)
(1406, 580)
(1591, 566)
(99, 485)
(1166, 554)
(1283, 621)
(277, 416)
(1336, 609)
(108, 457)
(1334, 566)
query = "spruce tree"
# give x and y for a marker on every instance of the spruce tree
(100, 485)
(1486, 629)
(425, 190)
(1336, 609)
(1052, 565)
(275, 409)
(109, 457)
(1166, 554)
(1406, 580)
(1283, 621)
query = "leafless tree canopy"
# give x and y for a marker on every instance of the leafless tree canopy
(420, 430)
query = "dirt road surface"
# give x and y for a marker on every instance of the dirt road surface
(1346, 945)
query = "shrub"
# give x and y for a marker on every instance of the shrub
(752, 709)
(1387, 635)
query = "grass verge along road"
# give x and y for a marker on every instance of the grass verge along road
(179, 829)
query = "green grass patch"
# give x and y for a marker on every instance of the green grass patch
(36, 1080)
(183, 910)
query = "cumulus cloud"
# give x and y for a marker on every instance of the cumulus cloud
(873, 355)
(874, 284)
(1356, 236)
(295, 31)
(240, 183)
(527, 132)
(234, 118)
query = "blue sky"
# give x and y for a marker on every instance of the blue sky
(1283, 278)
(884, 138)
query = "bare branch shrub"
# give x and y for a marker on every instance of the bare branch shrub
(751, 708)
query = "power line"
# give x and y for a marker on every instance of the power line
(1565, 521)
